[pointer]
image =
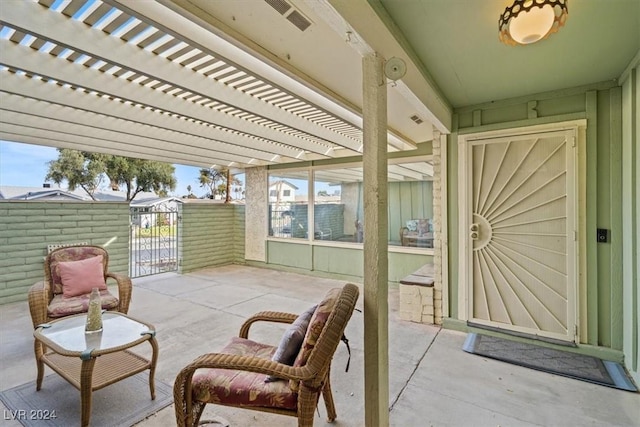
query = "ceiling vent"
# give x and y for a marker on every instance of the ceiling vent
(294, 16)
(280, 5)
(297, 19)
(416, 119)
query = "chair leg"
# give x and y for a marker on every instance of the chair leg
(328, 401)
(307, 403)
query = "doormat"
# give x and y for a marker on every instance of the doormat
(121, 404)
(572, 365)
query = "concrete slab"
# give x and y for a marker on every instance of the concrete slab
(432, 381)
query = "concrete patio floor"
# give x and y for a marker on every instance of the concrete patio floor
(432, 381)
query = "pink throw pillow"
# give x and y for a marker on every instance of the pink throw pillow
(80, 277)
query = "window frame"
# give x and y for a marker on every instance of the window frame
(311, 170)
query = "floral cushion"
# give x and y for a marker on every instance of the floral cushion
(227, 386)
(61, 306)
(74, 253)
(316, 325)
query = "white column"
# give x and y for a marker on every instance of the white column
(376, 274)
(256, 208)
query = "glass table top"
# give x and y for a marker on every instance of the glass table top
(69, 335)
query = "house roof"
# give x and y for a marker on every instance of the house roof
(155, 202)
(282, 181)
(31, 193)
(34, 193)
(243, 84)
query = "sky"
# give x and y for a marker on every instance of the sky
(26, 165)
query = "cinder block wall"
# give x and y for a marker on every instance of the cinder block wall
(26, 228)
(212, 235)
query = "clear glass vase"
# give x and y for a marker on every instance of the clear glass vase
(94, 315)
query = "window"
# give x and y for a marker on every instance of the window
(337, 196)
(289, 204)
(338, 204)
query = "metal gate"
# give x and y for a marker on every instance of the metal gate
(154, 240)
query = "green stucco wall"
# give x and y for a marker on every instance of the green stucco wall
(212, 235)
(600, 105)
(338, 261)
(26, 228)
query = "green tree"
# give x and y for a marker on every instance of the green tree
(79, 168)
(88, 171)
(209, 178)
(138, 175)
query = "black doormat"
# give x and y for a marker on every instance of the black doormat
(568, 364)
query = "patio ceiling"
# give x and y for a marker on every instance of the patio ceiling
(144, 80)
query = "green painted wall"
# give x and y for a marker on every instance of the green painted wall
(601, 105)
(212, 235)
(631, 220)
(26, 228)
(338, 261)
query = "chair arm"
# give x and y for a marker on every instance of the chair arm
(124, 290)
(251, 364)
(266, 316)
(38, 302)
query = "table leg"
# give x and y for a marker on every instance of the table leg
(39, 350)
(152, 369)
(86, 374)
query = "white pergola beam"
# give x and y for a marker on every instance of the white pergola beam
(186, 133)
(27, 59)
(33, 19)
(74, 142)
(20, 123)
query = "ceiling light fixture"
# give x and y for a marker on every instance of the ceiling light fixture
(528, 21)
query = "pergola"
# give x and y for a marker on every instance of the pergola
(167, 81)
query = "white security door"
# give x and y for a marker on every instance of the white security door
(519, 241)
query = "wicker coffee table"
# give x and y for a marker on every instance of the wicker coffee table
(92, 361)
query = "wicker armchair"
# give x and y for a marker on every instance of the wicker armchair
(236, 376)
(46, 300)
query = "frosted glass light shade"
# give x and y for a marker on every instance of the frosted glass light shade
(531, 26)
(528, 21)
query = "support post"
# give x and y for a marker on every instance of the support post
(376, 268)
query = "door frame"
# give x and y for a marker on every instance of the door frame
(575, 181)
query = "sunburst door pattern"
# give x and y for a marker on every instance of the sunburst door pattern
(519, 233)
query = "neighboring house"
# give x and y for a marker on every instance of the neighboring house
(282, 191)
(147, 213)
(47, 192)
(39, 194)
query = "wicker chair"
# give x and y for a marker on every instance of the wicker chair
(46, 300)
(236, 376)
